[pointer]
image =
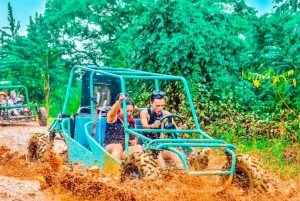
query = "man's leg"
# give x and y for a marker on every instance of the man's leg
(168, 155)
(115, 150)
(132, 149)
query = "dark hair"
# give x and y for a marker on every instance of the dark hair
(157, 95)
(129, 101)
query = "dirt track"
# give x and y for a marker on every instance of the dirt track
(19, 180)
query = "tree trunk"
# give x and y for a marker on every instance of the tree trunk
(47, 86)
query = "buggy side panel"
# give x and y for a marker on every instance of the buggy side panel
(79, 154)
(80, 136)
(105, 161)
(95, 146)
(90, 151)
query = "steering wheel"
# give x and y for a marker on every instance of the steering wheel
(170, 124)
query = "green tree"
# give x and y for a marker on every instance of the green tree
(203, 41)
(276, 53)
(89, 25)
(8, 33)
(36, 60)
(13, 25)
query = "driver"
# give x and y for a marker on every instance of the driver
(150, 120)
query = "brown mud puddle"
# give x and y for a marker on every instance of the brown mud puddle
(20, 180)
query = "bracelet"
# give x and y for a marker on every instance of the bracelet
(150, 126)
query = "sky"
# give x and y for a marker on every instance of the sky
(262, 6)
(22, 9)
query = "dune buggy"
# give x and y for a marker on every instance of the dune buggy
(33, 111)
(84, 132)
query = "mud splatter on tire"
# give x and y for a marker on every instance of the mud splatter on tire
(143, 167)
(249, 174)
(42, 115)
(37, 147)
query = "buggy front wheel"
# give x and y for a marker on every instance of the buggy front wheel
(141, 166)
(37, 147)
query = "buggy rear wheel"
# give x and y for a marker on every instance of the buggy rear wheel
(249, 174)
(42, 115)
(37, 147)
(141, 166)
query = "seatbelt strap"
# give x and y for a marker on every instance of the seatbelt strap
(94, 126)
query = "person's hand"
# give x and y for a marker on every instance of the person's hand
(182, 126)
(136, 108)
(121, 97)
(156, 124)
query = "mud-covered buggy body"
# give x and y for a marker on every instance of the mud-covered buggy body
(33, 111)
(85, 132)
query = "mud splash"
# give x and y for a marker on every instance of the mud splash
(64, 182)
(177, 185)
(13, 164)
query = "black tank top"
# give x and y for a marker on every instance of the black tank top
(153, 117)
(114, 133)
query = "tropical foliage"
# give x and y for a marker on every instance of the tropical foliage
(243, 69)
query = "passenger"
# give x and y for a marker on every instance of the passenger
(150, 120)
(25, 111)
(13, 101)
(3, 98)
(114, 134)
(21, 98)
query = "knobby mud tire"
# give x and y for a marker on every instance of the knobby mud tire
(249, 174)
(42, 115)
(38, 145)
(141, 166)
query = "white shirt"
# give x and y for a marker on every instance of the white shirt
(12, 102)
(3, 102)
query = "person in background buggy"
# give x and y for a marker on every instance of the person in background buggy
(15, 101)
(3, 98)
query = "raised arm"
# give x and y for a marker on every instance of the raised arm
(112, 114)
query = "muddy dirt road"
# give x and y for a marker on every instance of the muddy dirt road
(21, 180)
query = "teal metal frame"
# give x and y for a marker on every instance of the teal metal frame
(99, 152)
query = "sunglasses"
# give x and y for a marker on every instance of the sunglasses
(156, 93)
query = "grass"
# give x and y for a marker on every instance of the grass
(280, 156)
(277, 155)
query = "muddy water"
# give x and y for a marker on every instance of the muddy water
(20, 180)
